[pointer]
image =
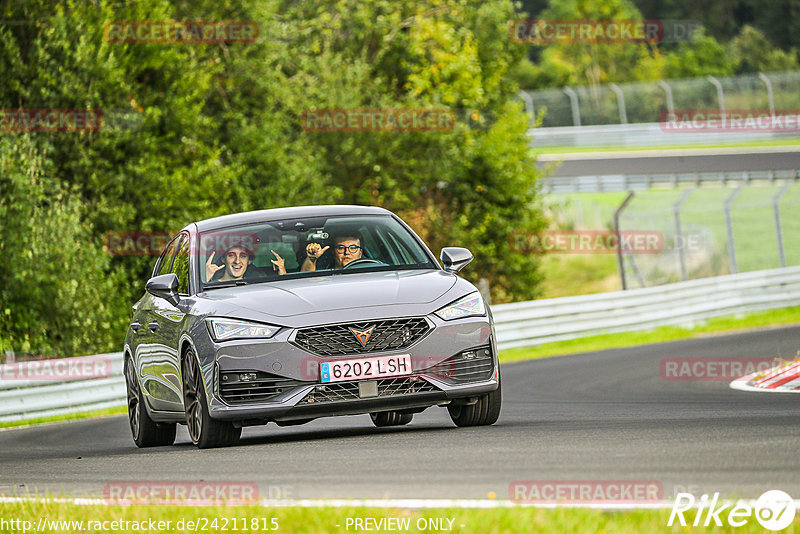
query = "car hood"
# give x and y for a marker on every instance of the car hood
(285, 298)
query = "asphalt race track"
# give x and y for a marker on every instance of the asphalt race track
(600, 416)
(633, 163)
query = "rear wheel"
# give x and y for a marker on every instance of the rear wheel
(391, 418)
(484, 412)
(205, 432)
(145, 431)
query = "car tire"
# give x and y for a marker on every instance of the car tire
(380, 419)
(484, 412)
(145, 431)
(204, 431)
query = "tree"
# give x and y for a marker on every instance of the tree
(471, 186)
(59, 294)
(702, 56)
(751, 52)
(194, 131)
(578, 63)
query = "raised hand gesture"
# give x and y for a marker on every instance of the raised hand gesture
(211, 268)
(314, 251)
(278, 263)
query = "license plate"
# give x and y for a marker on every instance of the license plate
(365, 368)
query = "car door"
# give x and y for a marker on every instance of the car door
(159, 364)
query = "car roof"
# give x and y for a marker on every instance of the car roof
(277, 214)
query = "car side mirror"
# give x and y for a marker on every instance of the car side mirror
(455, 258)
(165, 287)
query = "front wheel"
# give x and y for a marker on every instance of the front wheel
(145, 431)
(205, 432)
(484, 412)
(390, 418)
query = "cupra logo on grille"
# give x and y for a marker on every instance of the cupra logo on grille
(363, 335)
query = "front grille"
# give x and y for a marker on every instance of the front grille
(469, 366)
(234, 390)
(347, 391)
(338, 339)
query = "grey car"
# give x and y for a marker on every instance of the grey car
(287, 315)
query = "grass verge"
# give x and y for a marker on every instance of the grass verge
(319, 520)
(66, 417)
(717, 325)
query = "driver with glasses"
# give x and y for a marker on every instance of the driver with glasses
(346, 248)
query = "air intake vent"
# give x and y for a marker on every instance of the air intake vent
(387, 387)
(361, 338)
(240, 387)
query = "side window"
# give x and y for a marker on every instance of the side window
(165, 262)
(181, 267)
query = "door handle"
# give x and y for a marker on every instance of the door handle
(153, 326)
(135, 327)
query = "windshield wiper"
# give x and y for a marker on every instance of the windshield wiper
(231, 283)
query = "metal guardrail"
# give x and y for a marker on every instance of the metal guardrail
(22, 399)
(641, 182)
(518, 324)
(683, 303)
(641, 134)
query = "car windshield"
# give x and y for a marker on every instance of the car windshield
(309, 247)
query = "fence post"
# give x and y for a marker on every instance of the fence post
(678, 232)
(668, 92)
(778, 232)
(485, 290)
(729, 229)
(576, 112)
(770, 96)
(620, 263)
(720, 93)
(528, 99)
(623, 113)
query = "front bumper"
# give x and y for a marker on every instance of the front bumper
(456, 360)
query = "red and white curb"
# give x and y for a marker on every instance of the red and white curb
(783, 378)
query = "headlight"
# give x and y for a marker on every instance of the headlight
(225, 329)
(470, 306)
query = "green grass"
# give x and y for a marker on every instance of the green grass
(792, 141)
(66, 417)
(702, 216)
(579, 274)
(731, 323)
(302, 520)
